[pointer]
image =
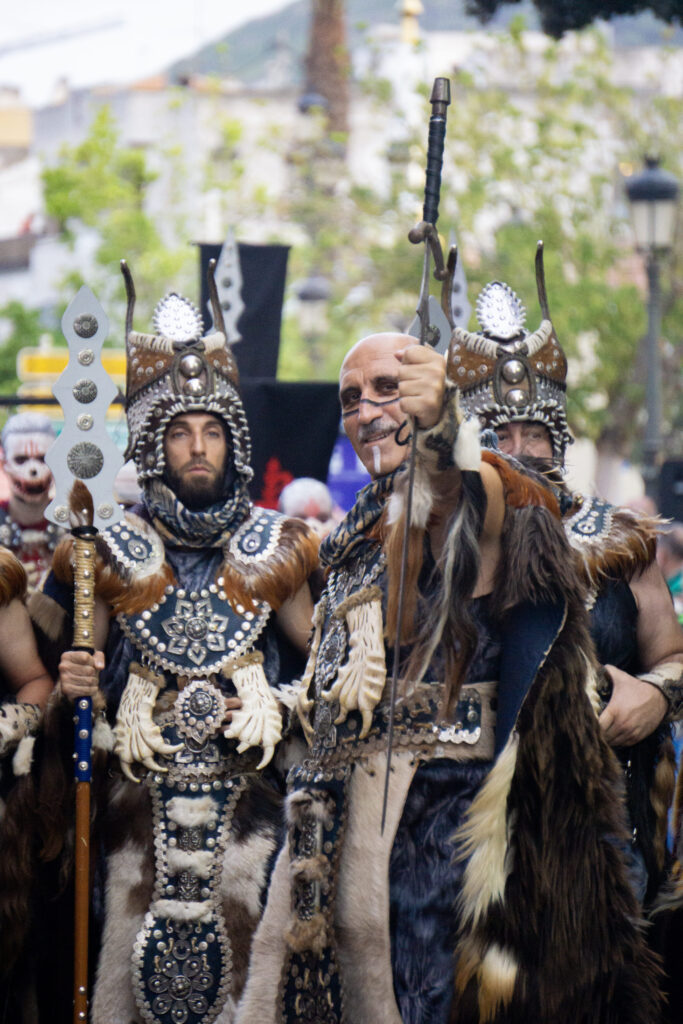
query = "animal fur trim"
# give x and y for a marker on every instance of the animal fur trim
(258, 723)
(50, 617)
(565, 912)
(23, 755)
(272, 580)
(303, 804)
(497, 977)
(360, 680)
(422, 500)
(192, 813)
(13, 580)
(628, 547)
(183, 910)
(198, 862)
(137, 738)
(103, 735)
(277, 578)
(17, 720)
(435, 446)
(310, 934)
(483, 839)
(520, 489)
(467, 449)
(310, 869)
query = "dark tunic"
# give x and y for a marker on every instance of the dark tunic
(424, 879)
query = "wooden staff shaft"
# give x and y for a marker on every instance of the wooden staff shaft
(84, 639)
(82, 902)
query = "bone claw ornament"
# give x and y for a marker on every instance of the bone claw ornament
(256, 725)
(258, 722)
(358, 689)
(136, 736)
(360, 682)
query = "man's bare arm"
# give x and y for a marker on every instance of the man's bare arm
(295, 617)
(20, 663)
(639, 705)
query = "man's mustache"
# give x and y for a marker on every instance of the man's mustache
(371, 431)
(197, 464)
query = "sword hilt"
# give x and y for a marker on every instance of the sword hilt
(440, 100)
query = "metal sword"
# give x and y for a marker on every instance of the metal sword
(425, 232)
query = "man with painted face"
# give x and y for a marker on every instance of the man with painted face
(514, 382)
(194, 590)
(24, 529)
(528, 914)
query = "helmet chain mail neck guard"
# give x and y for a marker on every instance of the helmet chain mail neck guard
(507, 375)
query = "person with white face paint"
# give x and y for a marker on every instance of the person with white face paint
(24, 529)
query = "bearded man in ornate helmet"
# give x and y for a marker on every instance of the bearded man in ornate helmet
(192, 587)
(515, 382)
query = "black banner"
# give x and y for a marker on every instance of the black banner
(293, 431)
(264, 270)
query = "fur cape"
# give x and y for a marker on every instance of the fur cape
(549, 928)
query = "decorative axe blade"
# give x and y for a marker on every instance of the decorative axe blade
(229, 287)
(84, 450)
(439, 328)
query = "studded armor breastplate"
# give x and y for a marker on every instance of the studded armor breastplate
(191, 632)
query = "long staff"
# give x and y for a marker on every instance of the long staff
(83, 452)
(425, 232)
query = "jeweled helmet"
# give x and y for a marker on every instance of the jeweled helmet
(179, 369)
(507, 375)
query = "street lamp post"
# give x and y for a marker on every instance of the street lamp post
(653, 195)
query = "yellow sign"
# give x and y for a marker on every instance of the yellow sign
(46, 365)
(115, 412)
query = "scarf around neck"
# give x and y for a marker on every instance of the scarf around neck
(351, 532)
(209, 527)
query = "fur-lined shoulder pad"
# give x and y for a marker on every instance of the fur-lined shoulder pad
(12, 578)
(611, 542)
(134, 547)
(268, 558)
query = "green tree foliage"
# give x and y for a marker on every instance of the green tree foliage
(541, 160)
(21, 328)
(103, 185)
(560, 16)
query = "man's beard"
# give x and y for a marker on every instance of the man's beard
(196, 492)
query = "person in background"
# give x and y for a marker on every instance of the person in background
(310, 499)
(514, 381)
(24, 529)
(670, 560)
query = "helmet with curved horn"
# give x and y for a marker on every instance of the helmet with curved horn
(179, 369)
(505, 374)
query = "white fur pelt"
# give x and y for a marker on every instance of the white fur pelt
(362, 917)
(113, 1001)
(259, 1003)
(362, 907)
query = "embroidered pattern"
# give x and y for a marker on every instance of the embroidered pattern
(592, 522)
(258, 537)
(135, 546)
(182, 960)
(194, 633)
